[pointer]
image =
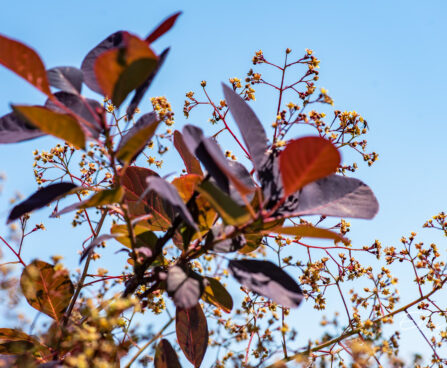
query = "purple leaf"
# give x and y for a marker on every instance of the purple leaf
(335, 195)
(115, 40)
(39, 199)
(66, 78)
(267, 279)
(184, 286)
(13, 129)
(249, 125)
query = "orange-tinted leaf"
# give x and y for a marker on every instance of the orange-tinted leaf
(191, 163)
(309, 231)
(120, 70)
(192, 333)
(134, 182)
(46, 289)
(305, 160)
(62, 126)
(186, 185)
(165, 356)
(25, 62)
(165, 26)
(217, 295)
(14, 342)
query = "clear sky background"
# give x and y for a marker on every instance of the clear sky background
(384, 59)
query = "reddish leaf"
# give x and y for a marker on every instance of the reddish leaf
(134, 182)
(46, 289)
(165, 26)
(165, 356)
(121, 70)
(192, 333)
(191, 163)
(66, 78)
(186, 185)
(25, 62)
(14, 342)
(305, 160)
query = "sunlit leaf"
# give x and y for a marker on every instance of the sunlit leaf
(66, 78)
(62, 126)
(249, 125)
(267, 279)
(25, 62)
(88, 112)
(186, 185)
(164, 27)
(184, 286)
(309, 231)
(192, 333)
(335, 195)
(231, 212)
(121, 70)
(136, 138)
(305, 160)
(165, 356)
(39, 199)
(168, 192)
(141, 90)
(217, 295)
(46, 289)
(14, 342)
(101, 198)
(134, 181)
(191, 163)
(14, 128)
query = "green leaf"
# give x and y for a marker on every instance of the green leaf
(137, 137)
(192, 333)
(165, 356)
(217, 295)
(229, 210)
(309, 231)
(102, 198)
(25, 62)
(62, 126)
(14, 342)
(46, 289)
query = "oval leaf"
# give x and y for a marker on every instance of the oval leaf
(39, 199)
(62, 126)
(192, 333)
(335, 195)
(165, 356)
(186, 185)
(249, 125)
(305, 160)
(47, 290)
(191, 163)
(136, 138)
(13, 129)
(25, 62)
(267, 279)
(121, 70)
(217, 295)
(184, 286)
(134, 181)
(66, 78)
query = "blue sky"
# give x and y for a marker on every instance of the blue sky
(384, 59)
